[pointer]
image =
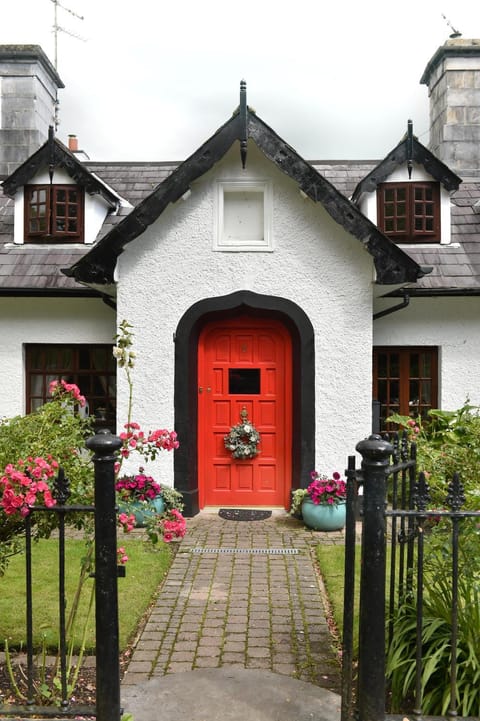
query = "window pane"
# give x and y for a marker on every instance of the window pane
(394, 369)
(382, 365)
(244, 380)
(414, 365)
(61, 195)
(382, 391)
(426, 364)
(426, 395)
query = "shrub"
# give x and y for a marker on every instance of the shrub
(437, 630)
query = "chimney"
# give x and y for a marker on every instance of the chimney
(453, 80)
(73, 143)
(29, 87)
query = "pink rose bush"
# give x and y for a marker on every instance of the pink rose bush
(327, 491)
(172, 525)
(147, 444)
(25, 484)
(61, 389)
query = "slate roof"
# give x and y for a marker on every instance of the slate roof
(37, 269)
(456, 267)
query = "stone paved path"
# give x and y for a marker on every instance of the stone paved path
(238, 596)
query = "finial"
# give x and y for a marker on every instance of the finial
(244, 123)
(51, 153)
(410, 148)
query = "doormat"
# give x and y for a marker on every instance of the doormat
(243, 514)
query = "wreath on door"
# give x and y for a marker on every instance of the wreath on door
(243, 439)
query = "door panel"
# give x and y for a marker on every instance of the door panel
(245, 363)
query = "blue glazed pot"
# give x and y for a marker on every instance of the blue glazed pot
(322, 517)
(143, 510)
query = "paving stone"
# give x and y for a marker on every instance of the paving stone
(239, 610)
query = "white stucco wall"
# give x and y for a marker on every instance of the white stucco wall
(44, 320)
(452, 325)
(314, 263)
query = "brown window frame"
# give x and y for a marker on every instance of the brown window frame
(413, 217)
(51, 211)
(91, 367)
(385, 386)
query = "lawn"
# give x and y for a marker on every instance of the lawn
(331, 560)
(145, 569)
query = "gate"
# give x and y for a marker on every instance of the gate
(394, 523)
(104, 446)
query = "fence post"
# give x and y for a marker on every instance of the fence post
(371, 641)
(104, 445)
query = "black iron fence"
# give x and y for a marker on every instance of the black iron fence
(396, 531)
(107, 707)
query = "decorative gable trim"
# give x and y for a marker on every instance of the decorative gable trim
(409, 149)
(53, 154)
(391, 263)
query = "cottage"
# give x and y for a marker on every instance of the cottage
(259, 284)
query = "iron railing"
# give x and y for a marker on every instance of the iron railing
(395, 516)
(107, 708)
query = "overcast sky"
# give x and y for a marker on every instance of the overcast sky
(151, 80)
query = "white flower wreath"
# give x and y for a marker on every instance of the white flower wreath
(243, 440)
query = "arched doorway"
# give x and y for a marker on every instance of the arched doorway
(245, 371)
(187, 337)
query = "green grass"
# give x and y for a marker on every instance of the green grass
(145, 569)
(331, 560)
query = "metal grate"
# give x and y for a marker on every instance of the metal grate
(253, 551)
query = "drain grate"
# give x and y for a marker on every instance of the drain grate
(252, 551)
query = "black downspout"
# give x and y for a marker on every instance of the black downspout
(394, 308)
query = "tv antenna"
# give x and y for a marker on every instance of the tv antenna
(455, 33)
(59, 29)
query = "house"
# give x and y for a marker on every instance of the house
(258, 284)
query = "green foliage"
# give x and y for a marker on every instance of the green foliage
(56, 430)
(437, 630)
(172, 499)
(449, 442)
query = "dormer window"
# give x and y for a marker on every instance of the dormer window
(54, 213)
(409, 212)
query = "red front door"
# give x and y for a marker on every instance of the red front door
(245, 365)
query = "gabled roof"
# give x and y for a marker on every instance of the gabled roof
(408, 150)
(51, 155)
(391, 263)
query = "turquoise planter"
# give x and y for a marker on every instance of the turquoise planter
(323, 518)
(143, 510)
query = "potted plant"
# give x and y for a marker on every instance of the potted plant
(322, 503)
(141, 495)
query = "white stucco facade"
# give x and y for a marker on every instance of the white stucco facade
(45, 321)
(451, 324)
(313, 262)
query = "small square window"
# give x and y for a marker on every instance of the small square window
(243, 217)
(409, 212)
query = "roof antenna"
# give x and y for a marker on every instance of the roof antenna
(455, 33)
(243, 123)
(57, 28)
(410, 148)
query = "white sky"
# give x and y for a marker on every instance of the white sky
(337, 79)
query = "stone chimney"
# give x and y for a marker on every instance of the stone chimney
(29, 87)
(453, 80)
